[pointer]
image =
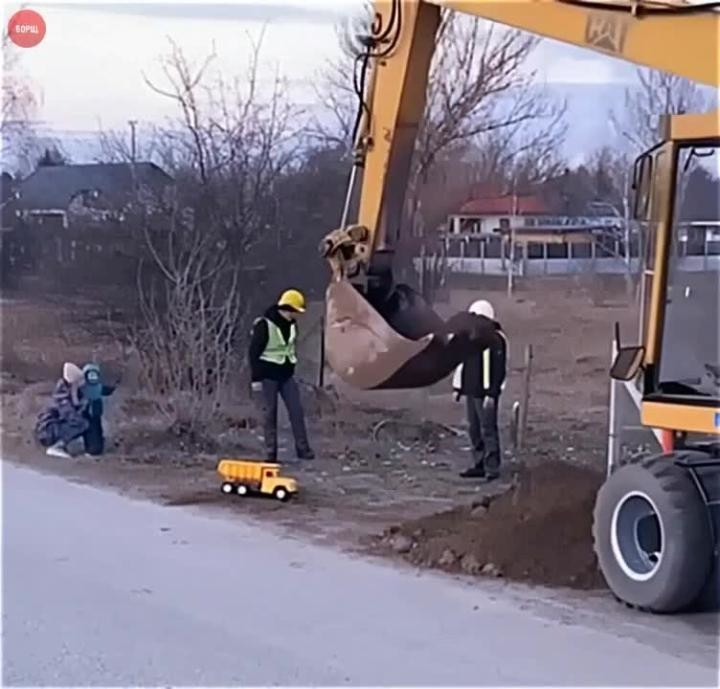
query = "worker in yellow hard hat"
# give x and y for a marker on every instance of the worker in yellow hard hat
(273, 357)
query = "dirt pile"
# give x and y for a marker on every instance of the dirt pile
(539, 531)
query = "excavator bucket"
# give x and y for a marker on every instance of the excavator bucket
(397, 344)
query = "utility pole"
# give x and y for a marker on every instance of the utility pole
(133, 124)
(511, 264)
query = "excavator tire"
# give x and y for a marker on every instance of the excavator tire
(653, 536)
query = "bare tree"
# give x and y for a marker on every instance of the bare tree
(655, 94)
(227, 149)
(20, 102)
(480, 93)
(185, 343)
(480, 96)
(335, 84)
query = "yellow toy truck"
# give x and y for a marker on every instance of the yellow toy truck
(245, 476)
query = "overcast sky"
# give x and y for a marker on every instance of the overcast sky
(91, 62)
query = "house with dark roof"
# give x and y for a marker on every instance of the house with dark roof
(57, 195)
(8, 204)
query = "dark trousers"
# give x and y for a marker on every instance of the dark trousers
(290, 394)
(51, 429)
(482, 414)
(94, 437)
(70, 428)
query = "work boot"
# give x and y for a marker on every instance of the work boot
(476, 471)
(306, 454)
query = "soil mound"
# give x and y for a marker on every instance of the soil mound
(539, 531)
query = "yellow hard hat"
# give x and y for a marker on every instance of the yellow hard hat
(293, 299)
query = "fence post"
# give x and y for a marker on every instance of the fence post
(525, 396)
(515, 426)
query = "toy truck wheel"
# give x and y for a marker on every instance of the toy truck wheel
(652, 535)
(281, 494)
(241, 489)
(227, 487)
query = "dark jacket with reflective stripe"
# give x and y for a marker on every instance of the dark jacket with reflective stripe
(483, 373)
(264, 370)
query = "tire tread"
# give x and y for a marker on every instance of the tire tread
(680, 582)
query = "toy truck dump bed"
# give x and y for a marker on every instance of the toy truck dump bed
(244, 476)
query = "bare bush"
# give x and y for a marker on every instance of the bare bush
(185, 343)
(227, 150)
(480, 97)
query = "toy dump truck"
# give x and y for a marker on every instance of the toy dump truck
(245, 476)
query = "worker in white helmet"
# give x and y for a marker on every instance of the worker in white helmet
(480, 380)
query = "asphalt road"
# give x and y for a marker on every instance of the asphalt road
(102, 590)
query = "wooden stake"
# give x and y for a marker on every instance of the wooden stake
(525, 396)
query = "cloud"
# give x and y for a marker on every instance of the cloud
(240, 12)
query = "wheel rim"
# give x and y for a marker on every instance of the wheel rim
(241, 490)
(637, 537)
(280, 494)
(227, 488)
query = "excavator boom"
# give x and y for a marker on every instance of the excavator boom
(380, 335)
(676, 37)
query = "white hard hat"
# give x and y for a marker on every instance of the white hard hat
(481, 307)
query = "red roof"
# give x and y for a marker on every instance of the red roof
(506, 205)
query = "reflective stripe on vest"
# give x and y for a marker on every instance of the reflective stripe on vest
(277, 351)
(486, 369)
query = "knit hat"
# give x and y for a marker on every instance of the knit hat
(72, 373)
(91, 373)
(92, 389)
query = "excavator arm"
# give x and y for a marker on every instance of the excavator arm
(383, 335)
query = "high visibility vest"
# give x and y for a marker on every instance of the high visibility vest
(277, 350)
(457, 375)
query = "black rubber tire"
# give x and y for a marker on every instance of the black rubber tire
(688, 542)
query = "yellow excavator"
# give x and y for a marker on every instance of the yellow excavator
(657, 516)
